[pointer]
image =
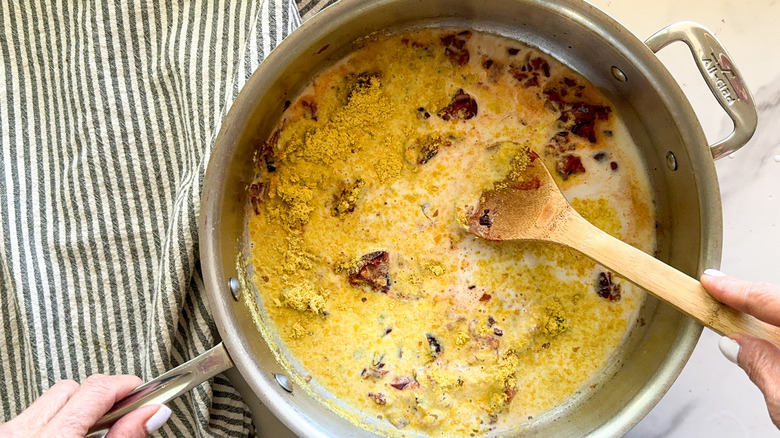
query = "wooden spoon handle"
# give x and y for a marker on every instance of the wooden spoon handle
(658, 278)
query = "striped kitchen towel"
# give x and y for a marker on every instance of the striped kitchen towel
(108, 113)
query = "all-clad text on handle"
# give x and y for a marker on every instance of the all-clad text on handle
(720, 74)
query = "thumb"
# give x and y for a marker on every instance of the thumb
(761, 361)
(140, 422)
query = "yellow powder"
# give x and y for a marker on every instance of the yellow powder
(303, 297)
(346, 200)
(555, 322)
(462, 339)
(297, 331)
(388, 168)
(483, 330)
(600, 213)
(506, 369)
(444, 379)
(351, 128)
(434, 268)
(519, 163)
(294, 258)
(289, 200)
(351, 266)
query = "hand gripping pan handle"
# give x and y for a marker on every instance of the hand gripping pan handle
(167, 386)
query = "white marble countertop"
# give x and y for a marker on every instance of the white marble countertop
(712, 397)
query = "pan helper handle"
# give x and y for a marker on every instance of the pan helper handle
(167, 386)
(720, 74)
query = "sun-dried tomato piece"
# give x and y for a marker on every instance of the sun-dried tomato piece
(309, 110)
(402, 382)
(580, 117)
(512, 51)
(422, 49)
(560, 145)
(399, 422)
(606, 288)
(489, 341)
(373, 271)
(533, 81)
(518, 73)
(585, 129)
(376, 370)
(568, 165)
(409, 43)
(586, 111)
(554, 94)
(378, 398)
(462, 107)
(422, 114)
(256, 193)
(485, 297)
(540, 64)
(585, 116)
(510, 394)
(613, 165)
(372, 373)
(264, 155)
(455, 47)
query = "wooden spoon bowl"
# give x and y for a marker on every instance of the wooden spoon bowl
(528, 205)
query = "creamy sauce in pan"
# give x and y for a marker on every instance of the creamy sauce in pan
(362, 271)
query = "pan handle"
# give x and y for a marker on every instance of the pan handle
(720, 74)
(167, 386)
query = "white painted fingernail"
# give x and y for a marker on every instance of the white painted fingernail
(714, 273)
(158, 419)
(729, 348)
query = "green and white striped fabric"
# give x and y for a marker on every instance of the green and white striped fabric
(108, 113)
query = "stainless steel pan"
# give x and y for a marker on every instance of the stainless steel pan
(654, 108)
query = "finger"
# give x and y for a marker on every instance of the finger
(140, 422)
(93, 399)
(761, 361)
(761, 300)
(46, 407)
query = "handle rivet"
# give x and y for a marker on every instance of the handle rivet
(235, 287)
(618, 74)
(284, 382)
(671, 161)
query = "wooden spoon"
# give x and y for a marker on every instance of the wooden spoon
(529, 206)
